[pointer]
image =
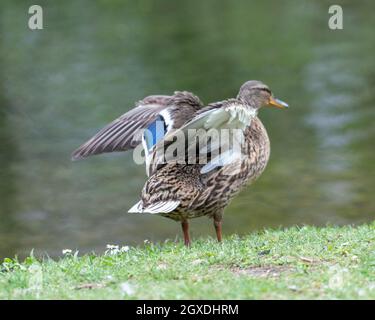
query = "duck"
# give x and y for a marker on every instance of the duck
(197, 157)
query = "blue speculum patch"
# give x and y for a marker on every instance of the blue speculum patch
(155, 132)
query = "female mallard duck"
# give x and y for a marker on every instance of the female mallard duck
(183, 184)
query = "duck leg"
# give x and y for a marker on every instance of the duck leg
(217, 224)
(185, 230)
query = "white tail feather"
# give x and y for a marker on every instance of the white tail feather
(137, 208)
(158, 207)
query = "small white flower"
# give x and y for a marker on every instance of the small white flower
(112, 246)
(67, 251)
(115, 249)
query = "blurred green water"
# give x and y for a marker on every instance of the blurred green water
(94, 59)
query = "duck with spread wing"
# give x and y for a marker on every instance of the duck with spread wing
(200, 176)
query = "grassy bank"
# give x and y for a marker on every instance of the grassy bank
(307, 262)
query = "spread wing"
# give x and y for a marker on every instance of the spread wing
(125, 132)
(203, 139)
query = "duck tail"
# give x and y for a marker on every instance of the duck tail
(137, 208)
(155, 208)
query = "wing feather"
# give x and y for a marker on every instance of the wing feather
(122, 134)
(229, 114)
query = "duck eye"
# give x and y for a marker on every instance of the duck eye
(267, 90)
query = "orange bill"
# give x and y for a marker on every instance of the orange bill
(277, 103)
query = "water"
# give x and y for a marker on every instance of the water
(93, 60)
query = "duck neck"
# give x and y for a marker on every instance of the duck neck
(251, 106)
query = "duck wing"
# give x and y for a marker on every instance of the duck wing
(200, 140)
(124, 133)
(182, 107)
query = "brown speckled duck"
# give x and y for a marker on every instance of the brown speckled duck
(200, 176)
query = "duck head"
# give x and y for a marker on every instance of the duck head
(256, 94)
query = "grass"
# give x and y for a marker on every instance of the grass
(296, 263)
